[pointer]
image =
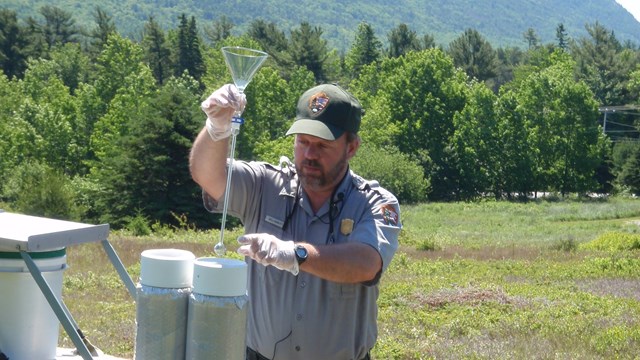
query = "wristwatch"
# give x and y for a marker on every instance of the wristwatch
(301, 253)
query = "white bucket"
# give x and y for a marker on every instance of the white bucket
(28, 326)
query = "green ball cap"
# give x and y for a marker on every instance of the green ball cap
(327, 111)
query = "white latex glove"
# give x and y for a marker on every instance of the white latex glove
(220, 107)
(267, 249)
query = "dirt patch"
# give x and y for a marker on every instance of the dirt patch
(622, 288)
(469, 296)
(488, 253)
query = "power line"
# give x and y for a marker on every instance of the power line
(617, 123)
(623, 109)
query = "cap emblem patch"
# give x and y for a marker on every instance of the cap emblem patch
(318, 102)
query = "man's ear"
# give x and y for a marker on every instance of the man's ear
(352, 147)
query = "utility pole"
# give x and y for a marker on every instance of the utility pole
(606, 110)
(623, 109)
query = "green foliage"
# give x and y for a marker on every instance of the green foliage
(604, 65)
(629, 176)
(622, 152)
(71, 65)
(410, 104)
(40, 190)
(104, 110)
(394, 170)
(188, 51)
(474, 55)
(119, 59)
(563, 142)
(402, 40)
(148, 162)
(308, 49)
(476, 144)
(270, 111)
(138, 225)
(566, 245)
(366, 49)
(156, 51)
(272, 40)
(13, 44)
(614, 242)
(271, 151)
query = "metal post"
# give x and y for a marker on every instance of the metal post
(124, 275)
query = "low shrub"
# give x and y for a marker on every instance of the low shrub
(614, 241)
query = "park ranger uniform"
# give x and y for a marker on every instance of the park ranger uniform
(304, 316)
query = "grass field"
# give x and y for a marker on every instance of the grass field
(486, 280)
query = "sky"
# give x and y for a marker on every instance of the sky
(632, 6)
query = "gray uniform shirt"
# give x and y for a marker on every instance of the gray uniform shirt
(304, 316)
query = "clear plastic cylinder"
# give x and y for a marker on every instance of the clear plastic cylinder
(217, 323)
(162, 304)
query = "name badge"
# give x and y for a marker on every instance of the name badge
(273, 221)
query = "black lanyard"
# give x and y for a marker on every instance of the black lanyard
(335, 209)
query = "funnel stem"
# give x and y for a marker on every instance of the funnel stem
(220, 248)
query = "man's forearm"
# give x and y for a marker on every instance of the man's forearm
(207, 163)
(344, 263)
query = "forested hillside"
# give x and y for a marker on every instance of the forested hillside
(97, 126)
(502, 22)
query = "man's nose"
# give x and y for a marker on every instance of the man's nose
(311, 152)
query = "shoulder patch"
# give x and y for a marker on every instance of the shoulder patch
(389, 215)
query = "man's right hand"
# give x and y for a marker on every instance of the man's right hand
(219, 107)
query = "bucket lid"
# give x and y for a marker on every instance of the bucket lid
(219, 277)
(166, 268)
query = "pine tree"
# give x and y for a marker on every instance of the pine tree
(402, 40)
(59, 27)
(630, 174)
(531, 38)
(272, 40)
(366, 49)
(189, 52)
(308, 49)
(561, 35)
(12, 45)
(220, 30)
(104, 27)
(156, 51)
(474, 55)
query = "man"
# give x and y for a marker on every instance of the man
(318, 237)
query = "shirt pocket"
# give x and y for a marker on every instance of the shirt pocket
(271, 226)
(342, 291)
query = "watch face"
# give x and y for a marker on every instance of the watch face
(301, 253)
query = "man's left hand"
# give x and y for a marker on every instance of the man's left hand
(267, 249)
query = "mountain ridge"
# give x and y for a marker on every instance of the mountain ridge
(501, 22)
